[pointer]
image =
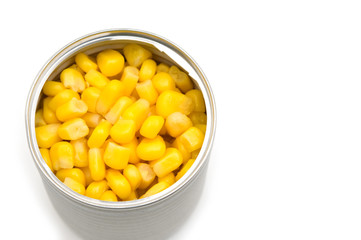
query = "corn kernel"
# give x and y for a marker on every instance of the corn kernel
(179, 145)
(73, 129)
(147, 70)
(136, 54)
(96, 79)
(177, 123)
(138, 112)
(132, 174)
(116, 156)
(80, 152)
(192, 139)
(147, 174)
(195, 153)
(96, 164)
(109, 95)
(147, 91)
(181, 79)
(151, 149)
(100, 134)
(198, 118)
(118, 183)
(202, 127)
(169, 178)
(85, 62)
(123, 131)
(48, 114)
(96, 189)
(152, 111)
(133, 196)
(46, 156)
(87, 174)
(198, 100)
(74, 173)
(157, 188)
(118, 108)
(163, 81)
(130, 78)
(76, 67)
(132, 146)
(39, 118)
(74, 185)
(73, 79)
(72, 109)
(92, 119)
(151, 126)
(62, 155)
(171, 160)
(47, 135)
(162, 67)
(51, 88)
(169, 102)
(61, 98)
(184, 169)
(110, 62)
(90, 97)
(109, 196)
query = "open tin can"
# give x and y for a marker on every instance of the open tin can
(155, 217)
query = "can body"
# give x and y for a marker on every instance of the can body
(156, 217)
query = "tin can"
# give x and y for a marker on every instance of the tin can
(155, 217)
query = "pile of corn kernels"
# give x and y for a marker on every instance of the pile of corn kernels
(119, 126)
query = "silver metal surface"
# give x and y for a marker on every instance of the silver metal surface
(155, 217)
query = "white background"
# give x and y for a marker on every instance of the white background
(286, 75)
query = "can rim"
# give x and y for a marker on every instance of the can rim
(58, 59)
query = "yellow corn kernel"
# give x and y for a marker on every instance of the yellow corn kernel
(184, 169)
(123, 131)
(171, 160)
(192, 139)
(74, 173)
(198, 100)
(110, 62)
(116, 156)
(76, 67)
(109, 196)
(169, 178)
(73, 129)
(39, 118)
(157, 188)
(163, 130)
(118, 183)
(62, 155)
(133, 196)
(202, 127)
(96, 164)
(147, 91)
(136, 54)
(195, 153)
(181, 79)
(47, 135)
(130, 78)
(152, 111)
(72, 109)
(48, 114)
(134, 96)
(162, 67)
(92, 119)
(132, 146)
(109, 95)
(147, 70)
(100, 134)
(74, 185)
(87, 174)
(198, 118)
(90, 97)
(85, 62)
(170, 101)
(163, 81)
(137, 112)
(96, 79)
(179, 145)
(151, 126)
(61, 98)
(118, 108)
(80, 152)
(151, 149)
(96, 189)
(46, 156)
(73, 79)
(132, 174)
(51, 88)
(147, 174)
(177, 123)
